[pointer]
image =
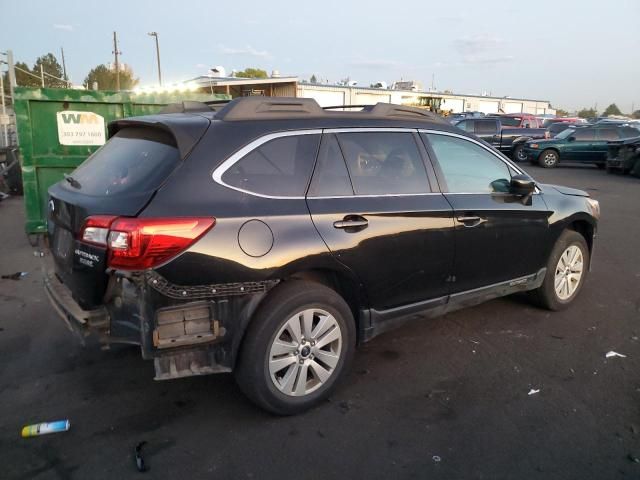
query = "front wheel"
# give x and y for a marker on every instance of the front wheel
(549, 158)
(519, 155)
(566, 272)
(299, 344)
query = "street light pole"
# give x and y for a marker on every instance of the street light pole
(155, 34)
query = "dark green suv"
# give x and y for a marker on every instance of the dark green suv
(588, 144)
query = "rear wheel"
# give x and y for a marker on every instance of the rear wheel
(549, 159)
(519, 155)
(601, 165)
(298, 346)
(566, 272)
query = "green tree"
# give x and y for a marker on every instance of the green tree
(561, 112)
(313, 79)
(612, 110)
(106, 78)
(636, 114)
(23, 77)
(51, 68)
(252, 73)
(588, 112)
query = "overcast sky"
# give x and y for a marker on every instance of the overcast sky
(574, 53)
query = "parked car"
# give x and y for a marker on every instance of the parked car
(272, 236)
(570, 120)
(518, 120)
(456, 117)
(624, 156)
(509, 141)
(588, 144)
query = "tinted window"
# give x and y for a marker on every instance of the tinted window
(330, 178)
(584, 134)
(629, 132)
(510, 121)
(135, 159)
(608, 134)
(486, 127)
(383, 163)
(558, 127)
(469, 168)
(466, 125)
(280, 167)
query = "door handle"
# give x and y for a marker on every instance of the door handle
(352, 221)
(471, 221)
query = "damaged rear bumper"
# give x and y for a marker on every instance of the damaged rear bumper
(187, 331)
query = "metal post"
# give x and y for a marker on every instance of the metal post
(117, 64)
(42, 75)
(155, 34)
(4, 111)
(64, 68)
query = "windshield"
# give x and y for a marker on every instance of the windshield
(134, 160)
(510, 121)
(568, 132)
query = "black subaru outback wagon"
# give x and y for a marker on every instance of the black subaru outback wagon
(271, 236)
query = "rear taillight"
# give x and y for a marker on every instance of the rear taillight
(141, 243)
(96, 229)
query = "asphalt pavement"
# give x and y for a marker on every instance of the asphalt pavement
(447, 398)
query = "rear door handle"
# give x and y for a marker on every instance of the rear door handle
(352, 221)
(471, 221)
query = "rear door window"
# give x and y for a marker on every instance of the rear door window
(330, 177)
(486, 127)
(629, 132)
(384, 163)
(608, 134)
(280, 167)
(133, 160)
(466, 125)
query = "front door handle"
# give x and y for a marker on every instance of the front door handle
(352, 221)
(471, 221)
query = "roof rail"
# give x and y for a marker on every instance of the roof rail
(256, 108)
(252, 108)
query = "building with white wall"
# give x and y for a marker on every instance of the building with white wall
(332, 95)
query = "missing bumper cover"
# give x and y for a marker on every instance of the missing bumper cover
(188, 324)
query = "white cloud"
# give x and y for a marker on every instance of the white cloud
(482, 49)
(63, 26)
(248, 50)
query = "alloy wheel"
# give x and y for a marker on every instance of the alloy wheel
(305, 352)
(568, 272)
(549, 159)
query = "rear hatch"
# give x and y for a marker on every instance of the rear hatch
(118, 180)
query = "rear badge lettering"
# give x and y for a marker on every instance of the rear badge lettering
(87, 259)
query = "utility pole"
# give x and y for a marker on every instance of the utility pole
(116, 52)
(42, 75)
(4, 110)
(64, 67)
(155, 34)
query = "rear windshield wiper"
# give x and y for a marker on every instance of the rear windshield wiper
(72, 181)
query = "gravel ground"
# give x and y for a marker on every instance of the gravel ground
(443, 399)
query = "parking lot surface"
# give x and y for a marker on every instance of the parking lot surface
(446, 398)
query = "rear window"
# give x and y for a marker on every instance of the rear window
(134, 159)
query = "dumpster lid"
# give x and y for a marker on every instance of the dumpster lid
(187, 129)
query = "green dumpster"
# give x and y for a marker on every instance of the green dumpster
(59, 128)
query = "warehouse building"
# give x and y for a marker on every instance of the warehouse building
(332, 95)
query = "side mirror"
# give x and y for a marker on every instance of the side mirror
(571, 139)
(522, 185)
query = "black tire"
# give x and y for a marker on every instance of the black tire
(601, 165)
(609, 169)
(252, 371)
(518, 154)
(548, 158)
(546, 296)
